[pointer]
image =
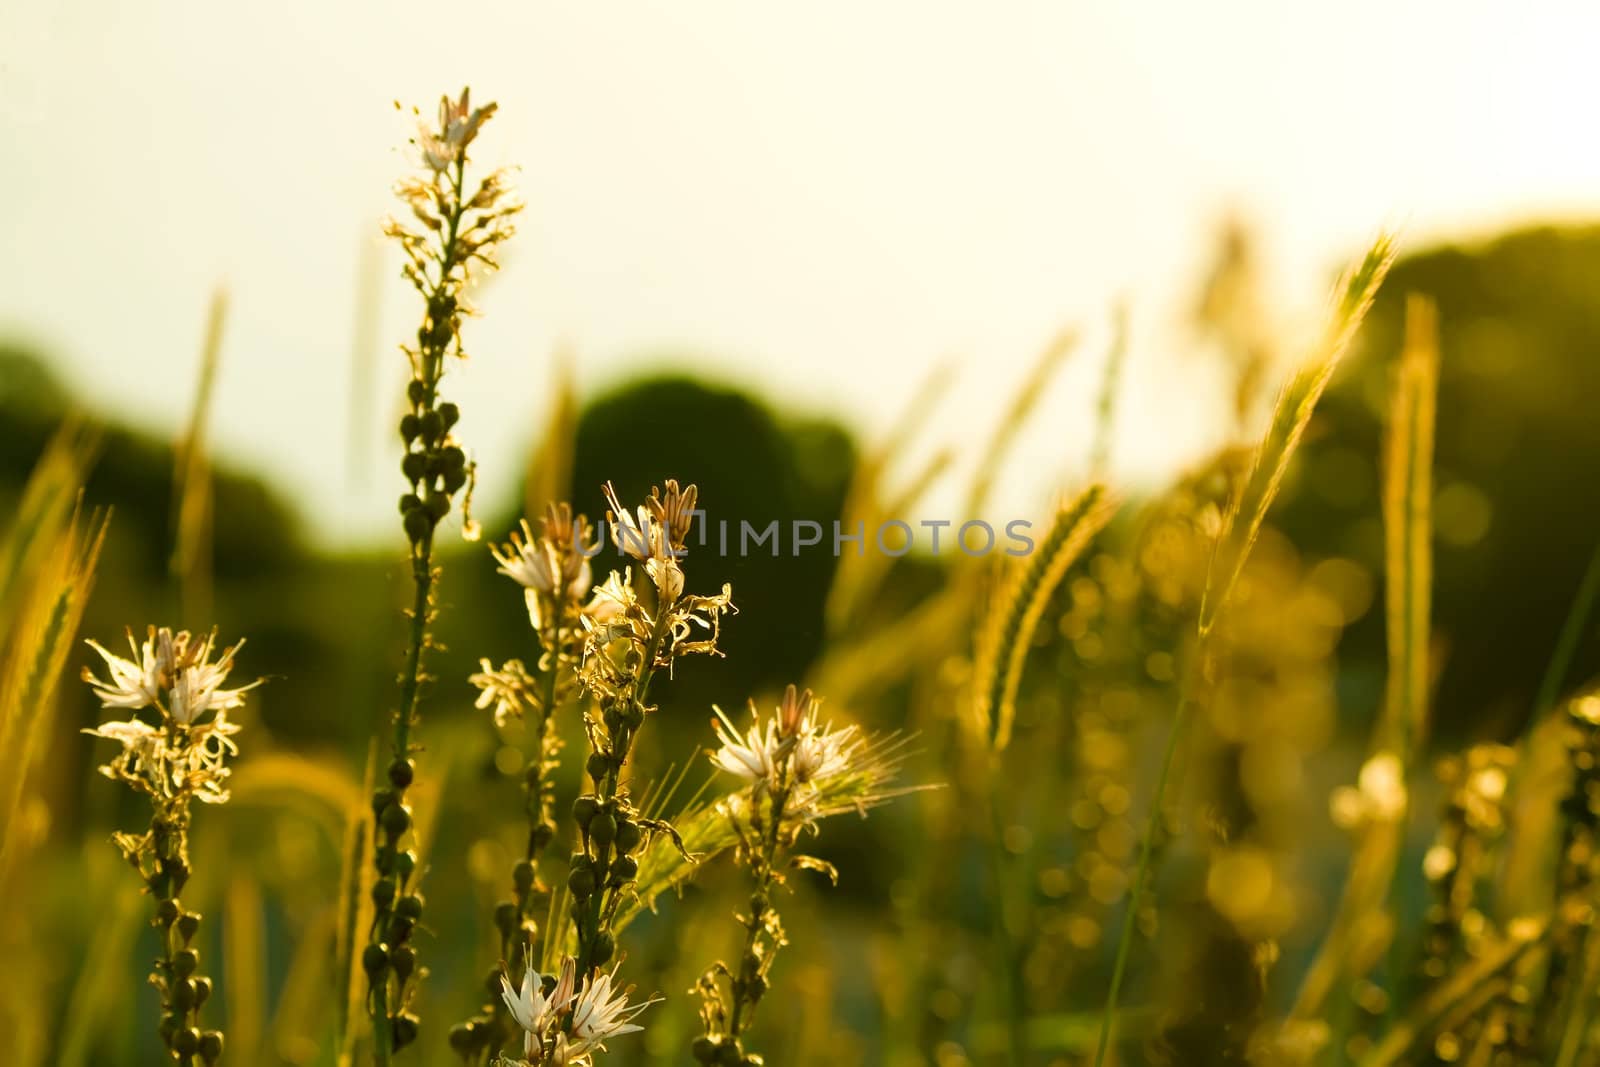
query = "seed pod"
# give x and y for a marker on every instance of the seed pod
(597, 765)
(405, 1029)
(522, 876)
(167, 912)
(628, 836)
(383, 891)
(374, 960)
(402, 771)
(432, 426)
(584, 809)
(404, 960)
(604, 946)
(188, 925)
(603, 827)
(704, 1049)
(211, 1044)
(414, 466)
(581, 882)
(185, 962)
(202, 991)
(464, 1038)
(410, 426)
(449, 413)
(624, 869)
(409, 907)
(186, 1042)
(416, 392)
(395, 819)
(505, 919)
(417, 524)
(404, 864)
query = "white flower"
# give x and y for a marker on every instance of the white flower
(173, 674)
(534, 1011)
(508, 690)
(536, 563)
(752, 756)
(644, 539)
(135, 683)
(602, 1012)
(822, 752)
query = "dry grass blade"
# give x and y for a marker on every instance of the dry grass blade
(191, 482)
(1408, 528)
(549, 476)
(41, 637)
(1007, 635)
(1361, 925)
(48, 501)
(1290, 416)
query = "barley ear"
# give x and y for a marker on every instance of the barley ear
(1007, 634)
(1297, 401)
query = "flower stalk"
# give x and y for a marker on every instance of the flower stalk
(174, 751)
(452, 232)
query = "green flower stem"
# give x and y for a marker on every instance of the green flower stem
(1141, 873)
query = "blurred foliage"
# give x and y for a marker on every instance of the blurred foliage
(971, 921)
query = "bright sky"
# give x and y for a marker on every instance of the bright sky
(818, 200)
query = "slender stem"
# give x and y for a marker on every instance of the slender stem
(601, 902)
(1571, 632)
(760, 906)
(1152, 827)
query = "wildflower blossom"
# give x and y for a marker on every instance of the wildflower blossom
(532, 1010)
(602, 1012)
(174, 752)
(509, 690)
(752, 756)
